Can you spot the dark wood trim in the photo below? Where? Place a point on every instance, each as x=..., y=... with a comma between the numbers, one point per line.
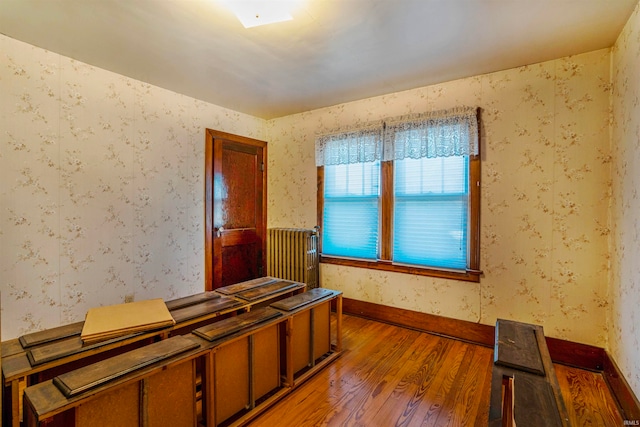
x=216, y=258
x=208, y=211
x=462, y=330
x=474, y=213
x=320, y=203
x=262, y=222
x=575, y=354
x=624, y=395
x=474, y=203
x=467, y=275
x=386, y=210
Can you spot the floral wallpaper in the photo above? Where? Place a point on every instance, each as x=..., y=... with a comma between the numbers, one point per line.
x=624, y=331
x=546, y=165
x=102, y=188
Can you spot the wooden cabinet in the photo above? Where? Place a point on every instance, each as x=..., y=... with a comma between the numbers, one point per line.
x=236, y=368
x=245, y=371
x=310, y=336
x=150, y=386
x=308, y=343
x=41, y=356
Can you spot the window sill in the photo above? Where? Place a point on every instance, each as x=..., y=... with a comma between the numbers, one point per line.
x=468, y=275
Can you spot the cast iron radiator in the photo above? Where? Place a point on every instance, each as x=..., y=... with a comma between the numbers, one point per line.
x=292, y=254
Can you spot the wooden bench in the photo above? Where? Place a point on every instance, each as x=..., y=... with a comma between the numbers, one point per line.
x=152, y=385
x=524, y=387
x=40, y=356
x=246, y=366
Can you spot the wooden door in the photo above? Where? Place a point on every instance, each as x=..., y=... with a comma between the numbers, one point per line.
x=235, y=208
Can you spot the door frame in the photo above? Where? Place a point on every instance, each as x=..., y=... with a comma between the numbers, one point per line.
x=210, y=137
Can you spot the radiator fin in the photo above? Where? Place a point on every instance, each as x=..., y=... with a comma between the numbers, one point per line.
x=292, y=254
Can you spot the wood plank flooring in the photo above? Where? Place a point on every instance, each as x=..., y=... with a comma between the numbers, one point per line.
x=392, y=376
x=587, y=397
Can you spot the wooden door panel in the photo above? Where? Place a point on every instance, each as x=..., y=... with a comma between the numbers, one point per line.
x=242, y=236
x=239, y=264
x=239, y=248
x=235, y=199
x=238, y=207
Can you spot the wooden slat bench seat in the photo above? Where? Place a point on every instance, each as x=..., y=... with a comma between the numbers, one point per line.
x=205, y=310
x=11, y=347
x=50, y=335
x=175, y=306
x=232, y=325
x=300, y=300
x=74, y=329
x=191, y=300
x=262, y=292
x=65, y=348
x=63, y=356
x=244, y=286
x=517, y=347
x=59, y=347
x=524, y=387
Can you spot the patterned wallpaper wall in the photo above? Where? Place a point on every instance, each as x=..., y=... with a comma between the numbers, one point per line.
x=101, y=188
x=545, y=196
x=624, y=333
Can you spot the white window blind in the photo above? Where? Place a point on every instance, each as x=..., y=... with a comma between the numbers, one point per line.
x=351, y=210
x=431, y=211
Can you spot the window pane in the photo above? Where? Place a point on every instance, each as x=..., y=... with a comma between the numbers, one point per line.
x=351, y=204
x=430, y=212
x=356, y=179
x=431, y=175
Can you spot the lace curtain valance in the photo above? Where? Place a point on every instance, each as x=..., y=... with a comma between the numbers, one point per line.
x=436, y=134
x=351, y=145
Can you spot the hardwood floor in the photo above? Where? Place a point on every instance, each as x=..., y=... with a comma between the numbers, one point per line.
x=392, y=376
x=587, y=397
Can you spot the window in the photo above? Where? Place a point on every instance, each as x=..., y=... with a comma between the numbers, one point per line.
x=430, y=212
x=351, y=210
x=403, y=195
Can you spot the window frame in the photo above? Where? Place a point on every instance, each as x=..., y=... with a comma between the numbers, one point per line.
x=471, y=273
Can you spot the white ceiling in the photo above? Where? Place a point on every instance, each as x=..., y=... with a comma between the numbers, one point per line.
x=333, y=51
